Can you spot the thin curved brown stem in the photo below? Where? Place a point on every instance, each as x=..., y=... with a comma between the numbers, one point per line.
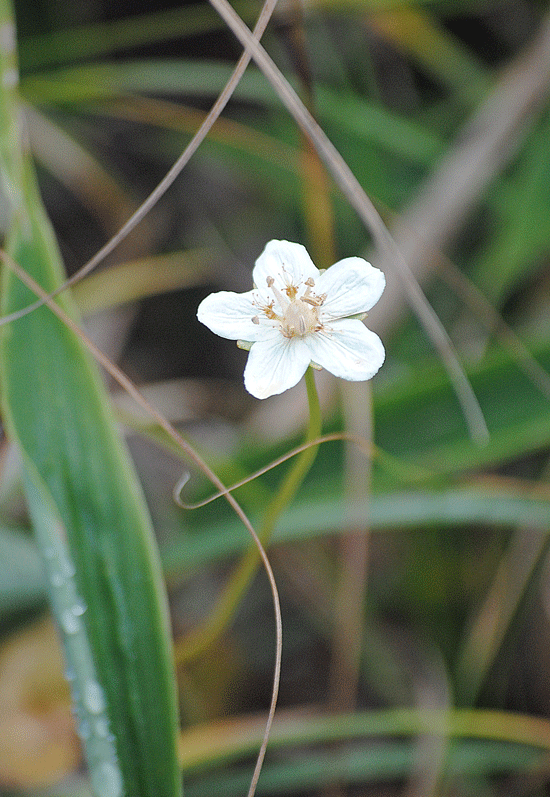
x=360, y=442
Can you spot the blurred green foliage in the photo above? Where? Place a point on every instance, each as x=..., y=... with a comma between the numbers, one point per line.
x=455, y=606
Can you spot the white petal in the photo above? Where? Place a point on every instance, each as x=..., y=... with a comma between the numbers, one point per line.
x=352, y=286
x=275, y=365
x=347, y=349
x=230, y=315
x=286, y=262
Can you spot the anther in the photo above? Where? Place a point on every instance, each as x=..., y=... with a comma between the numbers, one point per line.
x=314, y=301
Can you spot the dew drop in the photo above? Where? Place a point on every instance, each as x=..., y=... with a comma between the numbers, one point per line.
x=69, y=623
x=102, y=728
x=94, y=699
x=57, y=580
x=108, y=781
x=67, y=568
x=78, y=608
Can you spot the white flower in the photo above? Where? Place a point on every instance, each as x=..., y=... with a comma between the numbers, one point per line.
x=298, y=316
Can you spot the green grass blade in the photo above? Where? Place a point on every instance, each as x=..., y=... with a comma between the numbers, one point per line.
x=56, y=410
x=390, y=512
x=384, y=762
x=87, y=41
x=77, y=470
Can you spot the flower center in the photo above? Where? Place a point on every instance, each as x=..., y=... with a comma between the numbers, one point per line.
x=299, y=319
x=300, y=314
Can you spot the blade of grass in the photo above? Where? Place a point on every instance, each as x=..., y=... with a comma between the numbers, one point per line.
x=134, y=280
x=154, y=76
x=516, y=572
x=77, y=170
x=435, y=49
x=80, y=483
x=223, y=741
x=86, y=41
x=396, y=511
x=362, y=765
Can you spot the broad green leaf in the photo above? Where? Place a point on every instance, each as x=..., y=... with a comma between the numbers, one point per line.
x=90, y=707
x=77, y=470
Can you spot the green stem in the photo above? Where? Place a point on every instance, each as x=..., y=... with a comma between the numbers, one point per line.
x=196, y=642
x=301, y=466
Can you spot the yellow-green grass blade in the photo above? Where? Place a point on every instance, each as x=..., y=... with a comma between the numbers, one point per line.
x=83, y=494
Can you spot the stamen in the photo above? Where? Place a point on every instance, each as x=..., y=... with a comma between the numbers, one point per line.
x=314, y=301
x=291, y=291
x=299, y=314
x=278, y=295
x=270, y=312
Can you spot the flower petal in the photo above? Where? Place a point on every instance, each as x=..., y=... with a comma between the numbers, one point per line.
x=288, y=263
x=352, y=286
x=275, y=365
x=347, y=349
x=230, y=315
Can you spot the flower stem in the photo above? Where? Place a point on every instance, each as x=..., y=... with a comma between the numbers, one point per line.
x=302, y=463
x=221, y=616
